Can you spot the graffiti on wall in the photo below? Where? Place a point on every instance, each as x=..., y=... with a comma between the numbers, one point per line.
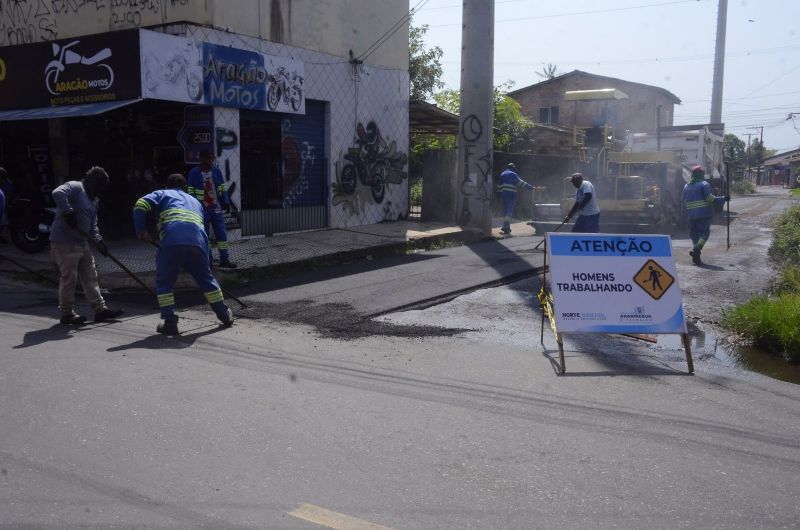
x=298, y=158
x=227, y=147
x=28, y=21
x=365, y=170
x=476, y=169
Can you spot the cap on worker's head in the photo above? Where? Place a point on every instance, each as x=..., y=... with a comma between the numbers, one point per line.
x=698, y=169
x=511, y=165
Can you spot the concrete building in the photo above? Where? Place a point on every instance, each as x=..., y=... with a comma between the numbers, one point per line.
x=633, y=107
x=305, y=104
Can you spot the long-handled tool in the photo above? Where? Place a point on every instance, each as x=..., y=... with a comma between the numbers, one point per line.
x=21, y=266
x=226, y=293
x=542, y=241
x=110, y=256
x=728, y=195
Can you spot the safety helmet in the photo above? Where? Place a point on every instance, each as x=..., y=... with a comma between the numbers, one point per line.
x=698, y=169
x=511, y=165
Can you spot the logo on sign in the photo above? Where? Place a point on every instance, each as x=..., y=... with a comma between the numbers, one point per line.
x=653, y=279
x=57, y=82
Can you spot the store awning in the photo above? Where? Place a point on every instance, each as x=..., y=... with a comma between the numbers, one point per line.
x=67, y=111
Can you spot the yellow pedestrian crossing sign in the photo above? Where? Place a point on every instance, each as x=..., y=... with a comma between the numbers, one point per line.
x=653, y=279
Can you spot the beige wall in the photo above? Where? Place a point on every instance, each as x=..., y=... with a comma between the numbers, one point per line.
x=637, y=113
x=329, y=26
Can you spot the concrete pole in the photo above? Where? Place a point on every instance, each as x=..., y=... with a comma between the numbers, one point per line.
x=719, y=63
x=475, y=186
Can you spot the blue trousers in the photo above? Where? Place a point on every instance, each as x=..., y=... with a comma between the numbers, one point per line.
x=699, y=230
x=509, y=203
x=216, y=220
x=169, y=263
x=589, y=224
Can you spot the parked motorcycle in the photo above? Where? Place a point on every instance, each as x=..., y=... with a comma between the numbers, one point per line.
x=29, y=227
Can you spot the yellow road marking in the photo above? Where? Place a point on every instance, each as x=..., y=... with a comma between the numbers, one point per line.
x=330, y=519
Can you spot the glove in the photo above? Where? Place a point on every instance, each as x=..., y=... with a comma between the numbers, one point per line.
x=102, y=248
x=71, y=219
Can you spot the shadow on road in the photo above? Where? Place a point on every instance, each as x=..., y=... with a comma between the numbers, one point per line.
x=164, y=342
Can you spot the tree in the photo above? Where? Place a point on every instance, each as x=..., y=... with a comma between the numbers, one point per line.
x=510, y=126
x=735, y=149
x=758, y=152
x=424, y=67
x=549, y=71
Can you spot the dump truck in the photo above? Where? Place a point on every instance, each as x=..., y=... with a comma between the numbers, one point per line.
x=636, y=192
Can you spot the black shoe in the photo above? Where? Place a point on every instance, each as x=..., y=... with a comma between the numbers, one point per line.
x=695, y=254
x=226, y=265
x=169, y=327
x=107, y=314
x=73, y=319
x=227, y=318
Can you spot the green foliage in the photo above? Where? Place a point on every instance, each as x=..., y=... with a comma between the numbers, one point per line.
x=548, y=71
x=785, y=247
x=415, y=193
x=510, y=126
x=743, y=186
x=735, y=149
x=771, y=323
x=424, y=67
x=788, y=281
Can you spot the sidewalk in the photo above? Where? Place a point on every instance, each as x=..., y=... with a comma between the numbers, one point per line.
x=264, y=253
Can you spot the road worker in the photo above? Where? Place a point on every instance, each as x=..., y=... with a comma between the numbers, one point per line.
x=699, y=203
x=507, y=184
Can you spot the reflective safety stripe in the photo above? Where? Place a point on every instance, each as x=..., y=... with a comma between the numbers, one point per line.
x=221, y=188
x=143, y=205
x=166, y=299
x=180, y=215
x=508, y=187
x=222, y=245
x=214, y=296
x=698, y=204
x=711, y=198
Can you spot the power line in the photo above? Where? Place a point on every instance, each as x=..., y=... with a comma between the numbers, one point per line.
x=391, y=31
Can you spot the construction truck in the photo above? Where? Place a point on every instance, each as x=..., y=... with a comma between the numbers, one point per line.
x=636, y=192
x=639, y=181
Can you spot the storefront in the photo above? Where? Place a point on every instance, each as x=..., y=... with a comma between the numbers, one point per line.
x=143, y=104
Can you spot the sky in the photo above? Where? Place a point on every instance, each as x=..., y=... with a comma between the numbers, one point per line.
x=669, y=44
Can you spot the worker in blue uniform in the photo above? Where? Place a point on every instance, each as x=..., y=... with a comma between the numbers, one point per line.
x=699, y=203
x=206, y=184
x=184, y=245
x=507, y=184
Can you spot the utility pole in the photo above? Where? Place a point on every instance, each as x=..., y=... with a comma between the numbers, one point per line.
x=475, y=181
x=719, y=63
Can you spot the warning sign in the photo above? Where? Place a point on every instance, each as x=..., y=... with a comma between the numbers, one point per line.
x=654, y=279
x=614, y=283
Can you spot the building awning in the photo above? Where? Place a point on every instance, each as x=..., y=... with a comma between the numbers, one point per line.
x=591, y=95
x=66, y=111
x=425, y=118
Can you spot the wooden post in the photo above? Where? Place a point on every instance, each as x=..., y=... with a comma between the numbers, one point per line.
x=563, y=367
x=687, y=346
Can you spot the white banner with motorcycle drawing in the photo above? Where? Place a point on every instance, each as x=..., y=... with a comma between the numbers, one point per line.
x=183, y=69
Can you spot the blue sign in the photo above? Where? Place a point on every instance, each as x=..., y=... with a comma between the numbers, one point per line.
x=234, y=78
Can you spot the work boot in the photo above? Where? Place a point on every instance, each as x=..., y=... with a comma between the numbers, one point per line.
x=169, y=326
x=73, y=319
x=227, y=318
x=226, y=265
x=107, y=314
x=695, y=254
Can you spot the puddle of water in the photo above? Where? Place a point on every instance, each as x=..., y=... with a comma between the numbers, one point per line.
x=705, y=345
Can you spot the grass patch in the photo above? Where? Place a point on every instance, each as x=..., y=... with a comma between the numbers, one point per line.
x=785, y=247
x=788, y=282
x=796, y=193
x=770, y=323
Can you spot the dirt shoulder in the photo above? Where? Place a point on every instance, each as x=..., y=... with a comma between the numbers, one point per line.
x=731, y=276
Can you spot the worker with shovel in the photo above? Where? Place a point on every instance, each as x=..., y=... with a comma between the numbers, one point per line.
x=74, y=224
x=184, y=245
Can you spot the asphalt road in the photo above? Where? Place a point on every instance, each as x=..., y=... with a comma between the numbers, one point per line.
x=279, y=422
